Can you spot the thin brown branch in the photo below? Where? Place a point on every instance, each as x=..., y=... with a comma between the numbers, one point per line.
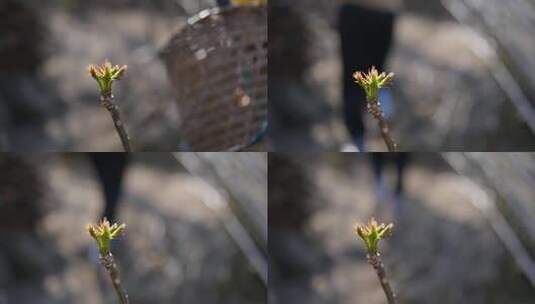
x=107, y=101
x=111, y=267
x=377, y=263
x=374, y=108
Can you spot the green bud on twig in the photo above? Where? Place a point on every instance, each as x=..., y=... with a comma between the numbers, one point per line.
x=372, y=233
x=372, y=82
x=106, y=74
x=103, y=233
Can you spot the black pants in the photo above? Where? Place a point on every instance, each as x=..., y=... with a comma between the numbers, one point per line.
x=366, y=37
x=223, y=2
x=400, y=160
x=110, y=168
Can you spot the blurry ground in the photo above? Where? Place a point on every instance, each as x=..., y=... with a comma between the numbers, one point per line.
x=58, y=104
x=442, y=251
x=175, y=249
x=444, y=95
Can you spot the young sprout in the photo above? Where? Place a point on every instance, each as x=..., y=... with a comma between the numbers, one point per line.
x=104, y=233
x=371, y=234
x=372, y=82
x=105, y=75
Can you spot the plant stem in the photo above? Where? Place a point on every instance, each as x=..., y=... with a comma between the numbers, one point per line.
x=377, y=263
x=109, y=263
x=374, y=108
x=106, y=100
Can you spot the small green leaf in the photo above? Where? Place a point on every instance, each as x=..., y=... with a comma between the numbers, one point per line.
x=372, y=82
x=372, y=233
x=105, y=75
x=103, y=233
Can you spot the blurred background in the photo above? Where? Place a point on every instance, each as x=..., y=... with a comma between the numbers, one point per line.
x=463, y=74
x=48, y=101
x=463, y=227
x=196, y=227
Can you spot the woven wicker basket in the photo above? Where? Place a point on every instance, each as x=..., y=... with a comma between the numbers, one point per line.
x=217, y=64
